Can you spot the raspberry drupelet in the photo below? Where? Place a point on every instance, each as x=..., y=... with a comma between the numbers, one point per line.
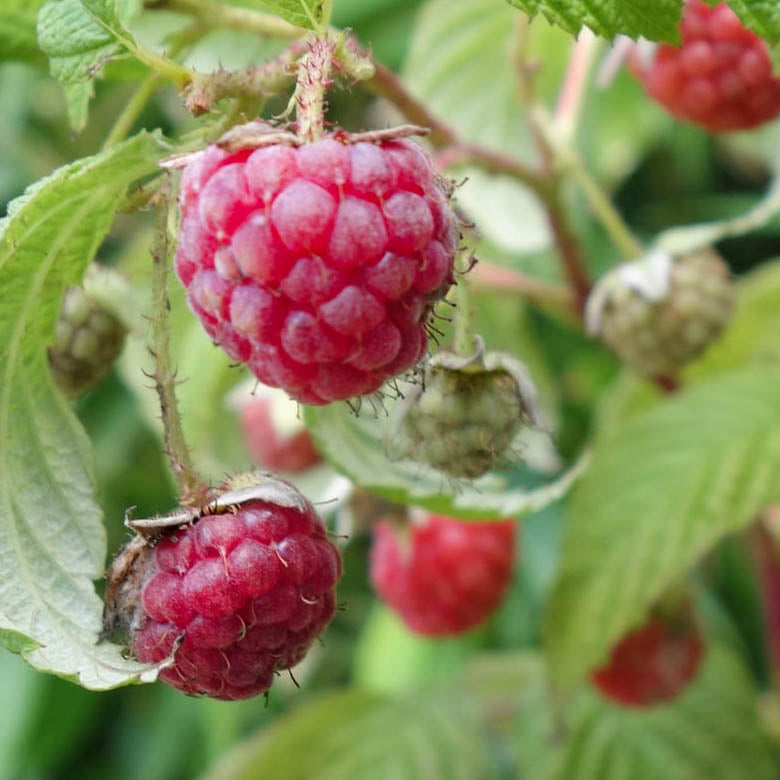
x=317, y=265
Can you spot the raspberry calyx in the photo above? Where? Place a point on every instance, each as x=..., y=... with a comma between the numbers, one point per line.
x=225, y=596
x=466, y=413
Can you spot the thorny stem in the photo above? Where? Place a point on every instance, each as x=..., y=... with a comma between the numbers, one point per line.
x=178, y=452
x=125, y=120
x=313, y=81
x=767, y=558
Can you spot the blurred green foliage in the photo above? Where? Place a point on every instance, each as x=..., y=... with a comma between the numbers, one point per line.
x=662, y=174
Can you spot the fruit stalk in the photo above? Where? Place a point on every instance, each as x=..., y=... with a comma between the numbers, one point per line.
x=313, y=81
x=176, y=448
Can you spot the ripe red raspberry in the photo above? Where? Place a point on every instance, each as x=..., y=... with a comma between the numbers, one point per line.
x=274, y=433
x=650, y=665
x=443, y=576
x=231, y=599
x=721, y=75
x=317, y=265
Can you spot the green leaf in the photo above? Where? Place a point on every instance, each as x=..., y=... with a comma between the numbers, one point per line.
x=303, y=13
x=353, y=445
x=354, y=735
x=389, y=658
x=52, y=542
x=18, y=40
x=658, y=21
x=710, y=730
x=77, y=44
x=660, y=492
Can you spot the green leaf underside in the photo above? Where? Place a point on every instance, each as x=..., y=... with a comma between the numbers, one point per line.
x=356, y=735
x=710, y=730
x=303, y=13
x=656, y=20
x=661, y=491
x=354, y=447
x=52, y=541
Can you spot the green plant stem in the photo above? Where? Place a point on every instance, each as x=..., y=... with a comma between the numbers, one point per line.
x=622, y=237
x=463, y=337
x=496, y=278
x=190, y=486
x=124, y=122
x=211, y=14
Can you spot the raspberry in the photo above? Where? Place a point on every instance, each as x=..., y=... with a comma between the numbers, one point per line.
x=650, y=665
x=274, y=433
x=463, y=418
x=317, y=265
x=88, y=340
x=721, y=75
x=231, y=598
x=443, y=576
x=660, y=312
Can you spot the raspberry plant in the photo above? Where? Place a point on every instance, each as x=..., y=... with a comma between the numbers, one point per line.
x=505, y=262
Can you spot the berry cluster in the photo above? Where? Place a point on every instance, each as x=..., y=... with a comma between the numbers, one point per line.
x=231, y=599
x=317, y=265
x=719, y=77
x=443, y=576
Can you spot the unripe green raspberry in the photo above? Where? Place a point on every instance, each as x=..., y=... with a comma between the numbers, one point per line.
x=88, y=340
x=660, y=312
x=464, y=417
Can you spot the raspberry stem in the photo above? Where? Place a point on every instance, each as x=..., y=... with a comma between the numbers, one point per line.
x=463, y=338
x=313, y=81
x=187, y=481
